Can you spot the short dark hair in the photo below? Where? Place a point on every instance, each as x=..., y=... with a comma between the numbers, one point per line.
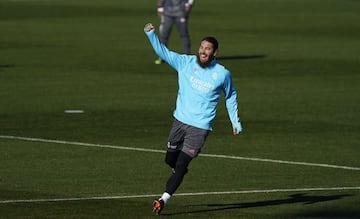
x=212, y=40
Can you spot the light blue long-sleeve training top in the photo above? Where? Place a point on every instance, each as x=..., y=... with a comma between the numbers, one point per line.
x=199, y=88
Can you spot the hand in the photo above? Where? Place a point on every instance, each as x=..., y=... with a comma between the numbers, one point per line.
x=160, y=11
x=149, y=27
x=187, y=8
x=235, y=131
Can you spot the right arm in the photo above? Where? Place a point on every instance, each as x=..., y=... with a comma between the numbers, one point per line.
x=160, y=49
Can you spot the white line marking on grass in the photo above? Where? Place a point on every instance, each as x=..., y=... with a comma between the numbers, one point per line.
x=80, y=144
x=73, y=111
x=179, y=194
x=75, y=199
x=162, y=151
x=282, y=161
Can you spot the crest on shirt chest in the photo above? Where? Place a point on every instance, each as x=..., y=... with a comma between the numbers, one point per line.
x=214, y=76
x=196, y=70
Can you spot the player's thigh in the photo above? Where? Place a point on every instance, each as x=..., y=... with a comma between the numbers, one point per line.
x=182, y=25
x=166, y=25
x=176, y=136
x=194, y=140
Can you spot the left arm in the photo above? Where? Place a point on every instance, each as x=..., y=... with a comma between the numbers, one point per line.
x=188, y=6
x=160, y=7
x=231, y=104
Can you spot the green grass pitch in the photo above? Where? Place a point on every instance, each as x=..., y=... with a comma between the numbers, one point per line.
x=295, y=64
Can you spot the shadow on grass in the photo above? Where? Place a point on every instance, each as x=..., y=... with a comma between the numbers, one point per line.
x=260, y=56
x=296, y=198
x=6, y=66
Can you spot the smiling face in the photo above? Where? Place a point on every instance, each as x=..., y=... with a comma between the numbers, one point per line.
x=206, y=53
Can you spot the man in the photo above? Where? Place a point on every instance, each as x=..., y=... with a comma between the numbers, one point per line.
x=201, y=81
x=174, y=12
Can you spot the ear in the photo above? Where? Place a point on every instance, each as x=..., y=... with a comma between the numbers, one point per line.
x=215, y=53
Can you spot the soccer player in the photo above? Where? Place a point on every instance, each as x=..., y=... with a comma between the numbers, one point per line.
x=174, y=12
x=201, y=81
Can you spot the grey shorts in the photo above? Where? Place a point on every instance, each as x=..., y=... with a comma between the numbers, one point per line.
x=186, y=138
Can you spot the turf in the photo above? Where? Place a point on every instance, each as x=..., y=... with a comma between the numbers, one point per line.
x=295, y=64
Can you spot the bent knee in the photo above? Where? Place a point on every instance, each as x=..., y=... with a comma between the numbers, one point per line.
x=182, y=163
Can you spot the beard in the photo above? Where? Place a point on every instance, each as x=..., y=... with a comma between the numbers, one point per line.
x=205, y=64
